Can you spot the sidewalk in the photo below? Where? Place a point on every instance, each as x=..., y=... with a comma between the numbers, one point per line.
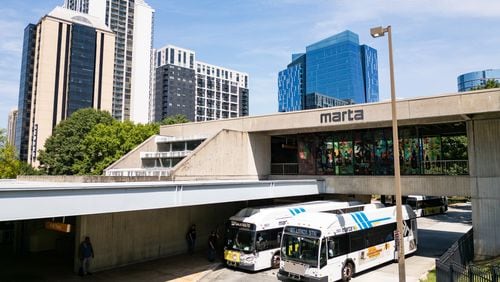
x=180, y=268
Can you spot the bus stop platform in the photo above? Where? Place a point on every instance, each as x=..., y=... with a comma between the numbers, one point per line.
x=180, y=268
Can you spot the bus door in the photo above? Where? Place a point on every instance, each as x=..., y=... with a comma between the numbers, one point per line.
x=336, y=248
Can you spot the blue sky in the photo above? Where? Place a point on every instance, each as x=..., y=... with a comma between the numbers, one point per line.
x=434, y=41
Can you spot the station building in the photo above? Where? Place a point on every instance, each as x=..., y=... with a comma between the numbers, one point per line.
x=204, y=172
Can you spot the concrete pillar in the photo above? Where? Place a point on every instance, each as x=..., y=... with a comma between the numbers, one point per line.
x=484, y=169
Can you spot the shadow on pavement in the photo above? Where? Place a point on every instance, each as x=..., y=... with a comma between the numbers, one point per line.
x=433, y=243
x=48, y=267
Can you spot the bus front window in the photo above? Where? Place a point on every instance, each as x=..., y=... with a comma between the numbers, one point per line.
x=300, y=249
x=240, y=239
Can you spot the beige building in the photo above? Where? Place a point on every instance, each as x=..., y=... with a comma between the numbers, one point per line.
x=72, y=68
x=11, y=126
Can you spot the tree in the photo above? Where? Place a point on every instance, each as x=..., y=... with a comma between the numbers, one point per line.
x=106, y=143
x=10, y=165
x=65, y=146
x=490, y=83
x=174, y=120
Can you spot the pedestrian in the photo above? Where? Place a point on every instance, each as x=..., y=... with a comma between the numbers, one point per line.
x=212, y=245
x=191, y=239
x=86, y=254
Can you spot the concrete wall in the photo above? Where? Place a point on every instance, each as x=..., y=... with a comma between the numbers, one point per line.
x=130, y=237
x=435, y=109
x=431, y=185
x=228, y=155
x=133, y=158
x=484, y=159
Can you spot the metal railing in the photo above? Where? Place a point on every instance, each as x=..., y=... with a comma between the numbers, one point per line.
x=284, y=168
x=454, y=265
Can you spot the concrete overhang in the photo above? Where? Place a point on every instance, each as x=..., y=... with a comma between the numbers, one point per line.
x=28, y=200
x=425, y=110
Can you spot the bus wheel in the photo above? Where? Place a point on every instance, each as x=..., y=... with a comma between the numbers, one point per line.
x=275, y=261
x=347, y=271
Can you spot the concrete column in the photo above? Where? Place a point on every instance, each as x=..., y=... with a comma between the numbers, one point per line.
x=484, y=168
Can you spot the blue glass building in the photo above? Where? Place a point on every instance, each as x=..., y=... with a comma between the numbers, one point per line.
x=336, y=67
x=470, y=81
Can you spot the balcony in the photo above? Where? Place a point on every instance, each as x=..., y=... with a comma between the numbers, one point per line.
x=164, y=155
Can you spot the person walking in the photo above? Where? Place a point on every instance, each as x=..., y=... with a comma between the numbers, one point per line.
x=191, y=239
x=212, y=245
x=86, y=254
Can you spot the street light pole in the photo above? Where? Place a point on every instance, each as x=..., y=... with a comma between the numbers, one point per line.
x=378, y=32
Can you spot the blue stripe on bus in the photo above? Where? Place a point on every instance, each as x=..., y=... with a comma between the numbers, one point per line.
x=356, y=221
x=380, y=219
x=360, y=218
x=302, y=209
x=291, y=211
x=363, y=215
x=296, y=210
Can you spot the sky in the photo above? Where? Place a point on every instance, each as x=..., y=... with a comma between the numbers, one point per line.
x=434, y=41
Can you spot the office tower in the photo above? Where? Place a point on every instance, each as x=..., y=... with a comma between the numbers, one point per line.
x=67, y=65
x=132, y=22
x=477, y=79
x=198, y=90
x=11, y=126
x=334, y=71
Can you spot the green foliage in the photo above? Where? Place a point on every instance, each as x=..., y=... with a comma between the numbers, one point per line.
x=431, y=276
x=490, y=83
x=65, y=146
x=454, y=147
x=10, y=165
x=106, y=143
x=174, y=120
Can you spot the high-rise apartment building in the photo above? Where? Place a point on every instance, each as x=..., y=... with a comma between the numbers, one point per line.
x=67, y=65
x=472, y=80
x=11, y=126
x=198, y=90
x=331, y=71
x=132, y=22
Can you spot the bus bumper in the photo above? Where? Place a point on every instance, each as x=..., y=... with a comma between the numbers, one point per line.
x=286, y=276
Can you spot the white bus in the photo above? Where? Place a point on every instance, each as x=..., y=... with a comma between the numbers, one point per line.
x=328, y=247
x=427, y=205
x=253, y=235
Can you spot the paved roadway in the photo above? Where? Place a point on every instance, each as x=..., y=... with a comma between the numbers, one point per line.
x=436, y=234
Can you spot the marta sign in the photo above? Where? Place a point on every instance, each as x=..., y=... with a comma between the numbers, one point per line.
x=348, y=115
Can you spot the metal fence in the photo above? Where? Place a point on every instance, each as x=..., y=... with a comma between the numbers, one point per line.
x=454, y=265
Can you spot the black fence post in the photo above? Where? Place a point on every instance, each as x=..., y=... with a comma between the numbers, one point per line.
x=470, y=273
x=451, y=272
x=494, y=274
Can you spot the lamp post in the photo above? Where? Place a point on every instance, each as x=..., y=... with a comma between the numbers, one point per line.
x=378, y=32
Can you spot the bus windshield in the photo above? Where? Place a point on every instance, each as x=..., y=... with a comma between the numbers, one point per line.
x=300, y=249
x=240, y=239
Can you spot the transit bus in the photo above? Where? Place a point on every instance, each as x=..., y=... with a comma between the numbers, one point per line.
x=427, y=205
x=253, y=235
x=328, y=247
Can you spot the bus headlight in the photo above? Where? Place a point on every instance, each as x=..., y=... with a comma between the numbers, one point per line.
x=249, y=259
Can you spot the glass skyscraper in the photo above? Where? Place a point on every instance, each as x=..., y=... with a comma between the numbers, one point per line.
x=470, y=81
x=336, y=67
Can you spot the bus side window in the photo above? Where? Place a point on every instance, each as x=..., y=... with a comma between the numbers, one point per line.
x=338, y=246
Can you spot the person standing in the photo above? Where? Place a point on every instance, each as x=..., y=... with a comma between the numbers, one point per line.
x=212, y=245
x=191, y=239
x=86, y=254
